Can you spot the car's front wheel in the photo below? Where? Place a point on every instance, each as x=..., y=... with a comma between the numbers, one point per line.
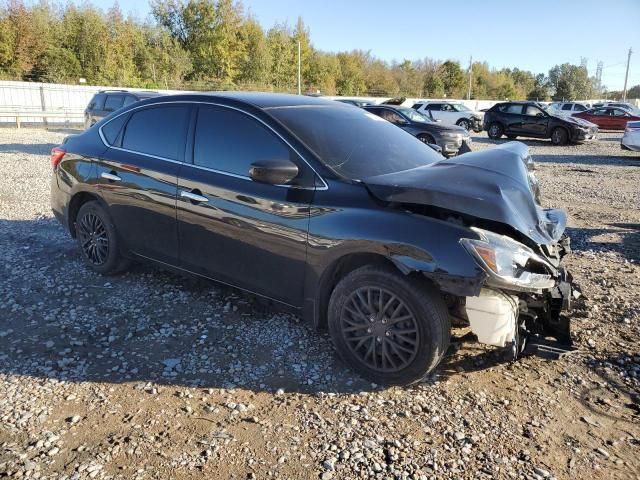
x=495, y=131
x=426, y=138
x=390, y=328
x=464, y=123
x=97, y=239
x=559, y=136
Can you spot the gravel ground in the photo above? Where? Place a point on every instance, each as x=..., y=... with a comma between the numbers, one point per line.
x=154, y=376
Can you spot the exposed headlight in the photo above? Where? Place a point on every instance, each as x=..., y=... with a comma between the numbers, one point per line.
x=508, y=263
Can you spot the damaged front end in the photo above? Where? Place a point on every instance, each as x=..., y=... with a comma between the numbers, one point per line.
x=524, y=295
x=516, y=243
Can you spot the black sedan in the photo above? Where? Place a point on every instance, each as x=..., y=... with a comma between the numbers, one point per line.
x=453, y=140
x=325, y=208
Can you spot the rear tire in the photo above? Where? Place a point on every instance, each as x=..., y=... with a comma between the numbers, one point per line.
x=389, y=328
x=559, y=136
x=98, y=241
x=495, y=131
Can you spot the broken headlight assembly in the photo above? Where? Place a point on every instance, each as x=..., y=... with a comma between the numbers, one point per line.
x=509, y=264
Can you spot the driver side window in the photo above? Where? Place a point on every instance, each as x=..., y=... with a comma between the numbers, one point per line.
x=533, y=111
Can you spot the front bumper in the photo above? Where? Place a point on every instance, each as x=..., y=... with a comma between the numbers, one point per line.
x=580, y=135
x=501, y=317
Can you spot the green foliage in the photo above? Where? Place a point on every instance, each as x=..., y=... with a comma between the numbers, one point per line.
x=216, y=44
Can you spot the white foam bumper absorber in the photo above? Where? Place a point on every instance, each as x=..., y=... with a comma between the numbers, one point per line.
x=492, y=316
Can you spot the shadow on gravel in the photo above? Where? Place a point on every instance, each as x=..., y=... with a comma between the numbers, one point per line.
x=623, y=238
x=61, y=321
x=614, y=398
x=31, y=149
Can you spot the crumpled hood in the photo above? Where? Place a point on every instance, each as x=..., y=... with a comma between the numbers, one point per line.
x=491, y=185
x=575, y=120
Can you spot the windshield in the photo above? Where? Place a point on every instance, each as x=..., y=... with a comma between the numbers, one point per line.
x=459, y=107
x=354, y=143
x=414, y=116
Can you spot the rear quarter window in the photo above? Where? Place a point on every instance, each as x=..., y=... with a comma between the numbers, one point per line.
x=113, y=102
x=97, y=102
x=159, y=131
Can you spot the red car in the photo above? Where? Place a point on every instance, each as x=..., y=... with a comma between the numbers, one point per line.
x=608, y=118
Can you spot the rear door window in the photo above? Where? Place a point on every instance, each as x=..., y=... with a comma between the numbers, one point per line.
x=230, y=141
x=159, y=131
x=512, y=108
x=567, y=106
x=434, y=107
x=113, y=102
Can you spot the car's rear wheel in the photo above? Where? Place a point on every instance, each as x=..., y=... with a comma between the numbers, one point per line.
x=97, y=239
x=495, y=131
x=464, y=123
x=559, y=136
x=389, y=328
x=426, y=138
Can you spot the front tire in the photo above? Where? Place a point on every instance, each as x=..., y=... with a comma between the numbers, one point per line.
x=426, y=138
x=389, y=328
x=464, y=123
x=495, y=131
x=98, y=241
x=559, y=136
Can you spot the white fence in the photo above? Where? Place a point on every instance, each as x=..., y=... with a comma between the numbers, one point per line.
x=64, y=104
x=49, y=102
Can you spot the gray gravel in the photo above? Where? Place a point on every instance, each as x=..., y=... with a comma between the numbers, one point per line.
x=152, y=375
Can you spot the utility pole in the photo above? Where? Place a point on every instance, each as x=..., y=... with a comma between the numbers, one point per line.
x=626, y=76
x=299, y=62
x=470, y=71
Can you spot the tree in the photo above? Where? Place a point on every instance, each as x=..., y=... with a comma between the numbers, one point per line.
x=452, y=78
x=255, y=66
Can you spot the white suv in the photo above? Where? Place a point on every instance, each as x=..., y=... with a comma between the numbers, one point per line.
x=568, y=108
x=451, y=113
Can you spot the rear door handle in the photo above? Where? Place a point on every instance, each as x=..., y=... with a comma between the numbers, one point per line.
x=112, y=177
x=194, y=197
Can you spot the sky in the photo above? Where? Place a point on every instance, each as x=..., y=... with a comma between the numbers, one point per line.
x=532, y=35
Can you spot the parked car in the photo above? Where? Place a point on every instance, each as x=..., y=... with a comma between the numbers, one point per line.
x=609, y=118
x=528, y=119
x=327, y=209
x=452, y=140
x=452, y=113
x=106, y=101
x=356, y=103
x=567, y=108
x=631, y=138
x=625, y=105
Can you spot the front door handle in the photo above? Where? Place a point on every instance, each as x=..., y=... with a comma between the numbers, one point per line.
x=112, y=177
x=193, y=197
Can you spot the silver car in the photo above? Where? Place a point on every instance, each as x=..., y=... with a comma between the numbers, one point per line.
x=631, y=137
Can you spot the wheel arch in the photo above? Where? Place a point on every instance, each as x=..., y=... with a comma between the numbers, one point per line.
x=349, y=262
x=561, y=127
x=76, y=202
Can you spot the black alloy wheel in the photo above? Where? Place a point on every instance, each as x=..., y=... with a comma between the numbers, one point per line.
x=495, y=131
x=380, y=329
x=93, y=238
x=97, y=239
x=391, y=328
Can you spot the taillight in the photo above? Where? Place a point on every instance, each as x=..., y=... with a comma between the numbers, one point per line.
x=56, y=155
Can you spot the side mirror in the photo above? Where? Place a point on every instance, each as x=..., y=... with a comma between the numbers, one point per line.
x=273, y=172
